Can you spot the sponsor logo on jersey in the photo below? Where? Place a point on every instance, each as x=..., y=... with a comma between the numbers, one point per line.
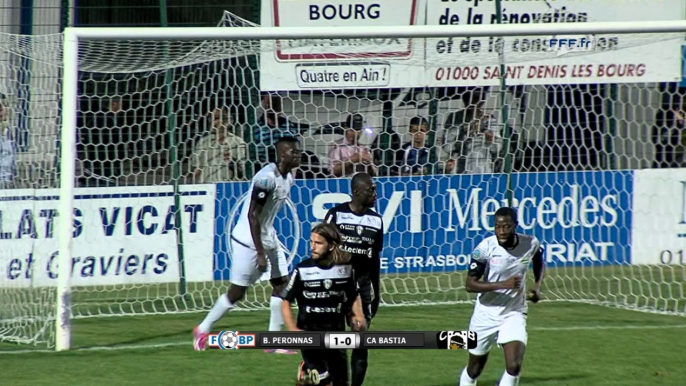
x=322, y=294
x=322, y=310
x=358, y=251
x=310, y=273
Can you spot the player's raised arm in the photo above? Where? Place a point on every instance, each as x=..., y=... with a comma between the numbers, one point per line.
x=289, y=295
x=260, y=193
x=477, y=268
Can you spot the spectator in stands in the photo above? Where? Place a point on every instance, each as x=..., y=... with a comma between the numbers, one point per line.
x=387, y=148
x=271, y=126
x=103, y=147
x=456, y=127
x=669, y=138
x=415, y=154
x=481, y=146
x=220, y=155
x=473, y=101
x=8, y=157
x=347, y=156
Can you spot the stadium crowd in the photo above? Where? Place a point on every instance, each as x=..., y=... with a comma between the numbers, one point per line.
x=223, y=145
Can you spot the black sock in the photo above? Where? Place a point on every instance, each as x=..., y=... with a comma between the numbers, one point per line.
x=358, y=364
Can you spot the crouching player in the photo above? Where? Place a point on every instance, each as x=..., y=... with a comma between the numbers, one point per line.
x=500, y=311
x=324, y=287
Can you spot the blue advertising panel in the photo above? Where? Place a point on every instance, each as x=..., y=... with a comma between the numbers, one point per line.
x=433, y=223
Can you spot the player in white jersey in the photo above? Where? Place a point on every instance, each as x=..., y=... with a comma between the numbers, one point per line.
x=254, y=241
x=500, y=311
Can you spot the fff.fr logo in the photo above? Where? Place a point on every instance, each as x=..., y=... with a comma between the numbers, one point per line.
x=572, y=43
x=231, y=340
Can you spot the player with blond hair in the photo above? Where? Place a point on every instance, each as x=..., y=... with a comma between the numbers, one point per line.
x=324, y=288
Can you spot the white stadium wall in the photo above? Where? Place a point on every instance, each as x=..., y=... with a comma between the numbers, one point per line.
x=659, y=217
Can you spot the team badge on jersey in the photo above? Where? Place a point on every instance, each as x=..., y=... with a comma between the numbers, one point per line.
x=327, y=283
x=359, y=230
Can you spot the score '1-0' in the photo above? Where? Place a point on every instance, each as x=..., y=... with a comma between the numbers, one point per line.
x=342, y=340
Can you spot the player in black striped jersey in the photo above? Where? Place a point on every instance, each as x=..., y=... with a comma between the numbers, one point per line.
x=324, y=288
x=362, y=231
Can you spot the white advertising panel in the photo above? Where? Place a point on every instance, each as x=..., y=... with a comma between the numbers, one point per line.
x=121, y=236
x=378, y=63
x=659, y=217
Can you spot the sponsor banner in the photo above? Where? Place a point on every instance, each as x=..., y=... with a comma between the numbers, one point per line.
x=561, y=59
x=659, y=232
x=567, y=59
x=341, y=64
x=121, y=236
x=433, y=223
x=349, y=13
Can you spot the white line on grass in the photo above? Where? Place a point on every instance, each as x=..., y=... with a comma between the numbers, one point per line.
x=107, y=348
x=190, y=344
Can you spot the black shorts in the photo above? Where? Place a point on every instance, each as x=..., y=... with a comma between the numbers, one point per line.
x=369, y=293
x=333, y=362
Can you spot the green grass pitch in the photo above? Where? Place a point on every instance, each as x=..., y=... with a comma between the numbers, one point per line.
x=570, y=344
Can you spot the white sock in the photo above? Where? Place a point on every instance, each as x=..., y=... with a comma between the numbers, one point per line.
x=509, y=380
x=466, y=380
x=276, y=317
x=222, y=306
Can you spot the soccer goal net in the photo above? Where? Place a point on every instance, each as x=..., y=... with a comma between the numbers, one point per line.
x=148, y=139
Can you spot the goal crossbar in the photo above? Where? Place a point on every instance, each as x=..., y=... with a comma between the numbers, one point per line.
x=415, y=31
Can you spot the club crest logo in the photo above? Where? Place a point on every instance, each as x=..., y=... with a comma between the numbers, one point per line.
x=327, y=283
x=360, y=229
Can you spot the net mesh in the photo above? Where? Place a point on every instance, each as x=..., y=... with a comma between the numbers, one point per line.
x=155, y=113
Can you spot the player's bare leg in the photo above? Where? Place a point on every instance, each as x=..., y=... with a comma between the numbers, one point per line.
x=276, y=317
x=224, y=304
x=514, y=357
x=475, y=366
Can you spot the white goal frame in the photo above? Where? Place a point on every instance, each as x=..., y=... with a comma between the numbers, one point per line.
x=73, y=36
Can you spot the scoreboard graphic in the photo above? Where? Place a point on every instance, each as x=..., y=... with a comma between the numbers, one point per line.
x=445, y=340
x=231, y=340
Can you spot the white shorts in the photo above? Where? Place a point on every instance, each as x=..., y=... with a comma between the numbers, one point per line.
x=511, y=328
x=244, y=271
